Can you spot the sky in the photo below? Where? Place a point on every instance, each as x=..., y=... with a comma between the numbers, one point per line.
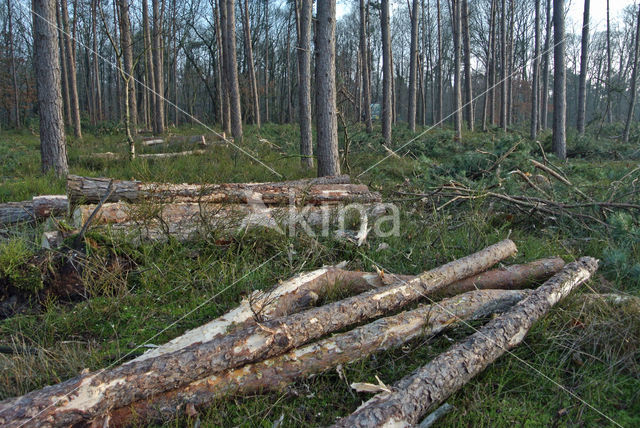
x=576, y=7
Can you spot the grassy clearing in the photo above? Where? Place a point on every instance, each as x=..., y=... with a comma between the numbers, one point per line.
x=590, y=349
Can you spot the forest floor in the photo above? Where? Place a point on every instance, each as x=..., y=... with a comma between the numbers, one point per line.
x=593, y=351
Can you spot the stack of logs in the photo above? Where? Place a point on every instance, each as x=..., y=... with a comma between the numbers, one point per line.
x=183, y=210
x=277, y=337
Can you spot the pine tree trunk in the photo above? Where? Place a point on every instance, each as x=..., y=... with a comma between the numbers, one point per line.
x=365, y=74
x=98, y=113
x=503, y=66
x=126, y=47
x=231, y=66
x=609, y=81
x=71, y=71
x=546, y=58
x=584, y=62
x=418, y=393
x=487, y=111
x=266, y=61
x=326, y=110
x=158, y=74
x=468, y=76
x=439, y=106
x=535, y=87
x=304, y=87
x=559, y=83
x=387, y=73
x=46, y=61
x=63, y=65
x=149, y=69
x=413, y=67
x=252, y=70
x=15, y=112
x=457, y=84
x=634, y=82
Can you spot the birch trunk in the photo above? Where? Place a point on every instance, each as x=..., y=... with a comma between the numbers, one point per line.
x=415, y=395
x=93, y=394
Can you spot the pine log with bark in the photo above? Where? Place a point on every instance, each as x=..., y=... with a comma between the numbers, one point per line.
x=361, y=342
x=415, y=395
x=93, y=394
x=91, y=190
x=38, y=208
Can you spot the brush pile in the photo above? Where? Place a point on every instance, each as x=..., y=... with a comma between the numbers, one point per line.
x=277, y=337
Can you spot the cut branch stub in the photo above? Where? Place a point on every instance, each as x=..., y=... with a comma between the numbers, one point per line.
x=93, y=394
x=415, y=395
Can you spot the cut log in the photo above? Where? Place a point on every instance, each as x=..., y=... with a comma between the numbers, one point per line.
x=39, y=208
x=276, y=373
x=190, y=139
x=90, y=190
x=172, y=154
x=93, y=394
x=415, y=395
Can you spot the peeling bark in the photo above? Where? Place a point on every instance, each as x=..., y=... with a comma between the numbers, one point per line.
x=361, y=342
x=415, y=395
x=39, y=208
x=91, y=190
x=93, y=394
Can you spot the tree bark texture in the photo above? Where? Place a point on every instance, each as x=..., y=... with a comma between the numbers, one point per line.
x=227, y=9
x=387, y=73
x=535, y=86
x=93, y=394
x=468, y=75
x=40, y=207
x=365, y=73
x=46, y=61
x=304, y=88
x=546, y=59
x=457, y=84
x=126, y=46
x=415, y=395
x=250, y=63
x=278, y=372
x=92, y=190
x=584, y=61
x=71, y=70
x=559, y=83
x=503, y=66
x=326, y=109
x=158, y=75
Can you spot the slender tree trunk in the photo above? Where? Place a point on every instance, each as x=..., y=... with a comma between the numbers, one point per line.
x=326, y=110
x=584, y=61
x=503, y=66
x=457, y=86
x=387, y=73
x=546, y=58
x=231, y=67
x=535, y=87
x=46, y=61
x=559, y=82
x=175, y=64
x=439, y=113
x=126, y=45
x=266, y=60
x=224, y=78
x=365, y=74
x=413, y=67
x=510, y=60
x=96, y=65
x=63, y=65
x=158, y=74
x=252, y=70
x=304, y=87
x=468, y=82
x=12, y=65
x=634, y=82
x=71, y=71
x=149, y=69
x=489, y=90
x=609, y=110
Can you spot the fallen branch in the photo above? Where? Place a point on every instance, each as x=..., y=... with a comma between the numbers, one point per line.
x=416, y=394
x=276, y=373
x=93, y=394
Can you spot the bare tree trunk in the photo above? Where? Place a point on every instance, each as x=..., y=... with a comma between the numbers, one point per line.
x=98, y=113
x=468, y=76
x=304, y=86
x=535, y=87
x=326, y=109
x=46, y=61
x=413, y=67
x=149, y=69
x=503, y=66
x=252, y=70
x=387, y=73
x=584, y=61
x=231, y=66
x=489, y=89
x=224, y=84
x=71, y=71
x=439, y=113
x=559, y=82
x=456, y=22
x=158, y=74
x=266, y=60
x=126, y=46
x=415, y=395
x=545, y=72
x=609, y=82
x=63, y=64
x=510, y=60
x=267, y=340
x=14, y=76
x=634, y=82
x=365, y=74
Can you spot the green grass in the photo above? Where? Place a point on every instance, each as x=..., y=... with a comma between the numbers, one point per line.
x=176, y=286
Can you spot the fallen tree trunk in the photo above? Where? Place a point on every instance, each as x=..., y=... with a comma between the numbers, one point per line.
x=413, y=396
x=91, y=190
x=276, y=373
x=38, y=208
x=89, y=395
x=186, y=221
x=172, y=154
x=192, y=139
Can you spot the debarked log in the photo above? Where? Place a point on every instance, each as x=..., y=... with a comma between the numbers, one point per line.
x=91, y=190
x=38, y=208
x=276, y=373
x=172, y=154
x=93, y=394
x=415, y=395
